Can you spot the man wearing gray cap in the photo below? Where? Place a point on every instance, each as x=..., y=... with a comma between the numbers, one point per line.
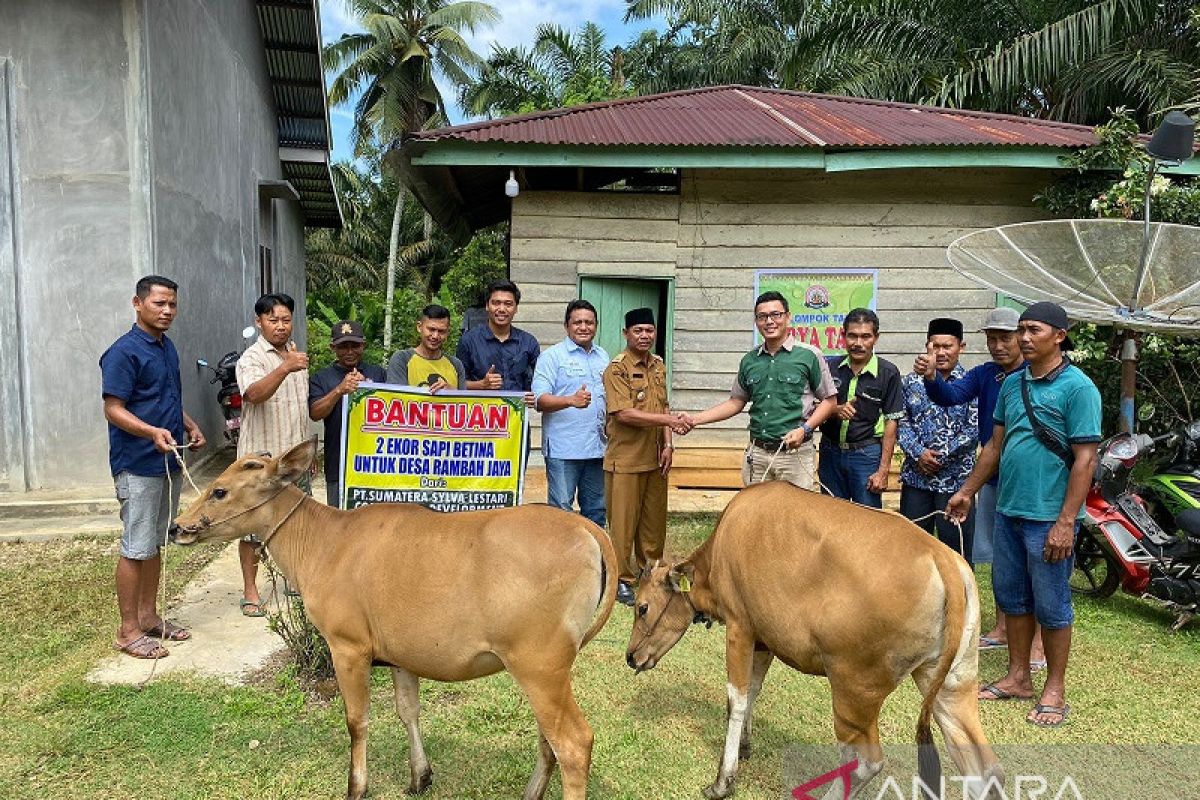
x=1047, y=428
x=983, y=383
x=328, y=387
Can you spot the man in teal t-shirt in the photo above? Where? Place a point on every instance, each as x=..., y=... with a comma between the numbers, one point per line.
x=1044, y=480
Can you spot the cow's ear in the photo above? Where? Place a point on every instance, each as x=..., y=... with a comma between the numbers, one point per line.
x=681, y=576
x=295, y=463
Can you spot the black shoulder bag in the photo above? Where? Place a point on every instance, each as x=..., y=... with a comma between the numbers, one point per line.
x=1044, y=434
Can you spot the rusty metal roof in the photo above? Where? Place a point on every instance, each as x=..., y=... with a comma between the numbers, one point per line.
x=291, y=32
x=748, y=116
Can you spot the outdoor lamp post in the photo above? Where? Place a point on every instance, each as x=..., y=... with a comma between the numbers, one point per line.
x=1171, y=144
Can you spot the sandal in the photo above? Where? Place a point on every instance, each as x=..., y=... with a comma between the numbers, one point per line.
x=994, y=692
x=1042, y=708
x=988, y=643
x=143, y=647
x=169, y=631
x=258, y=609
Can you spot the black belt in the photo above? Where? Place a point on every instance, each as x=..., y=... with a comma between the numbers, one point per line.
x=833, y=445
x=772, y=444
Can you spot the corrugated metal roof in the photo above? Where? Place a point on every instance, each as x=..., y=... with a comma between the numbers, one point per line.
x=291, y=32
x=748, y=116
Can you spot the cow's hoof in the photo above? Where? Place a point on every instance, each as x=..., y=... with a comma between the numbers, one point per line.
x=718, y=790
x=420, y=784
x=744, y=751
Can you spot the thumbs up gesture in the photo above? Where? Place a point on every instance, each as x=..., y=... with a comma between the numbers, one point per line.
x=846, y=410
x=582, y=397
x=926, y=363
x=492, y=379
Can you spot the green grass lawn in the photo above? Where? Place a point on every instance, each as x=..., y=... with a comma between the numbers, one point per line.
x=657, y=734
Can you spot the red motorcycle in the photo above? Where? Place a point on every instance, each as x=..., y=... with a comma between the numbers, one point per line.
x=1120, y=545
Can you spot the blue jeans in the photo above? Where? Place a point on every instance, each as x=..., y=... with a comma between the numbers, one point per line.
x=844, y=473
x=568, y=478
x=985, y=523
x=1022, y=580
x=916, y=503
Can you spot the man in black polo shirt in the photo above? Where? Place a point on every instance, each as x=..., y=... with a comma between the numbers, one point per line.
x=858, y=440
x=327, y=387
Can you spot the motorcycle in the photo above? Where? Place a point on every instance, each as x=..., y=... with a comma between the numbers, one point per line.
x=1175, y=488
x=229, y=397
x=1121, y=545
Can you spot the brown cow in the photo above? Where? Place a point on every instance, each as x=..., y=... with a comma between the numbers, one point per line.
x=444, y=596
x=830, y=588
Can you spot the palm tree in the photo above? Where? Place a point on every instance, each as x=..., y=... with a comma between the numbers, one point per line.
x=392, y=66
x=1068, y=60
x=560, y=69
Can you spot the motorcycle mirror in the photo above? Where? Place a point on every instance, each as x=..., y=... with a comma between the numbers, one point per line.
x=200, y=362
x=1146, y=412
x=248, y=332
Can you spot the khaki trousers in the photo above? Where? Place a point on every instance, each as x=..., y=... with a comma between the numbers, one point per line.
x=794, y=466
x=637, y=519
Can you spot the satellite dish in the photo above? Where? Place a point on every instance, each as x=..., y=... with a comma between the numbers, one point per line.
x=1090, y=268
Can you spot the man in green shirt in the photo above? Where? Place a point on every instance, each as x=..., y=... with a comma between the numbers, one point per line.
x=790, y=391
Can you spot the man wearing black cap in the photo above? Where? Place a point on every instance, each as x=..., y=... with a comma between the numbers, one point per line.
x=938, y=443
x=328, y=386
x=1047, y=427
x=639, y=451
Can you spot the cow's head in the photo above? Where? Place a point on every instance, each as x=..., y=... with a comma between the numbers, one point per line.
x=662, y=613
x=238, y=503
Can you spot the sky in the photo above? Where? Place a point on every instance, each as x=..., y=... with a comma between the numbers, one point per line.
x=518, y=21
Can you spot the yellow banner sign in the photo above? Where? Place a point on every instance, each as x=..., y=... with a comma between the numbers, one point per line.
x=453, y=451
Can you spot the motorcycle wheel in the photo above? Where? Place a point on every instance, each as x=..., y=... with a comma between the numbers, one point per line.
x=1097, y=573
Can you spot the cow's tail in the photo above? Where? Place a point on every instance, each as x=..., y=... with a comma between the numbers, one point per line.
x=608, y=575
x=929, y=764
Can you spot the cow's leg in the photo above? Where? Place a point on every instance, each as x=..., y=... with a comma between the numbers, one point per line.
x=408, y=706
x=739, y=666
x=762, y=662
x=353, y=672
x=545, y=677
x=542, y=771
x=956, y=710
x=858, y=696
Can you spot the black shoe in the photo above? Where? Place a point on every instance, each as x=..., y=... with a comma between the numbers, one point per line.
x=624, y=594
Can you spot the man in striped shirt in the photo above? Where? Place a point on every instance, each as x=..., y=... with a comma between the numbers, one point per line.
x=272, y=376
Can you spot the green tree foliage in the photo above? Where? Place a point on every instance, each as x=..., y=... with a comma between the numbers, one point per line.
x=1067, y=60
x=561, y=69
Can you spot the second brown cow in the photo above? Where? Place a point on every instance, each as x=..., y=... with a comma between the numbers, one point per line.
x=829, y=588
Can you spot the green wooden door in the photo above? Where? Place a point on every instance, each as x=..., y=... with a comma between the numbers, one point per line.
x=612, y=297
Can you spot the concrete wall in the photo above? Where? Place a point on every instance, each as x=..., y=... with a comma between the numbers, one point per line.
x=134, y=134
x=725, y=224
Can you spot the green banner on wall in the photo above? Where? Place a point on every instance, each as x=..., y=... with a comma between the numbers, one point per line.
x=818, y=300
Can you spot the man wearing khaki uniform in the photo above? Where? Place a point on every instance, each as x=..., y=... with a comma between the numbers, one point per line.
x=638, y=455
x=791, y=393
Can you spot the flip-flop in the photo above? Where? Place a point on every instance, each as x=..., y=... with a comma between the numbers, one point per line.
x=143, y=647
x=1040, y=708
x=170, y=631
x=1001, y=694
x=988, y=643
x=258, y=608
x=1037, y=665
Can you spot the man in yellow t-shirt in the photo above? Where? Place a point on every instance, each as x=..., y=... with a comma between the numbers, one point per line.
x=426, y=365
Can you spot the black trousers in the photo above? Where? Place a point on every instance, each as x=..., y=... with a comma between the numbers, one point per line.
x=916, y=503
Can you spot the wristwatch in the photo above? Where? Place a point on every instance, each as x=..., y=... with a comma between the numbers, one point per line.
x=807, y=430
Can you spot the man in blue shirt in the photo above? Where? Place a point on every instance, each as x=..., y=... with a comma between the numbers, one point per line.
x=982, y=384
x=499, y=356
x=939, y=443
x=1047, y=427
x=568, y=388
x=146, y=422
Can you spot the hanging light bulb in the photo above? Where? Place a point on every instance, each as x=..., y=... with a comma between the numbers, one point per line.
x=511, y=187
